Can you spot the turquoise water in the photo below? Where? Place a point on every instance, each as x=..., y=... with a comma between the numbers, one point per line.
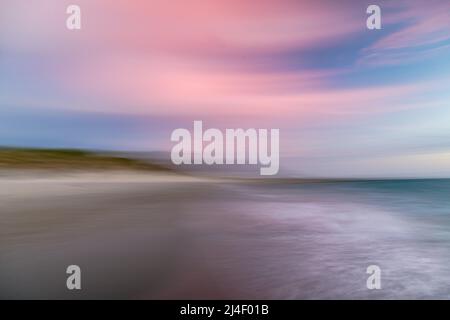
x=331, y=231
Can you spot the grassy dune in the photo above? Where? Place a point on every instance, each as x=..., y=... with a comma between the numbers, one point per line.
x=67, y=159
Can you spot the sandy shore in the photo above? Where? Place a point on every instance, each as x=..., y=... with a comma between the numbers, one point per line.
x=122, y=228
x=154, y=236
x=17, y=185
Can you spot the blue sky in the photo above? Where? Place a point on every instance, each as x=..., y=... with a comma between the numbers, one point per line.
x=348, y=101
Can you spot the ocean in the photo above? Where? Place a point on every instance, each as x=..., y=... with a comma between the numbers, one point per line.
x=209, y=238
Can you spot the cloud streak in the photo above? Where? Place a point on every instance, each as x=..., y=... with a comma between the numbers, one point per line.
x=294, y=65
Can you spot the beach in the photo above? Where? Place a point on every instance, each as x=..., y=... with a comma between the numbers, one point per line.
x=169, y=236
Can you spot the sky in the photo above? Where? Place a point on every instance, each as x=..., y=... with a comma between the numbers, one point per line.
x=349, y=102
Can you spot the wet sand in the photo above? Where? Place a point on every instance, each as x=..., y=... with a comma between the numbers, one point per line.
x=159, y=236
x=123, y=230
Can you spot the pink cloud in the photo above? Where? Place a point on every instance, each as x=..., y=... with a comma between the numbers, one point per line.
x=165, y=86
x=161, y=57
x=196, y=26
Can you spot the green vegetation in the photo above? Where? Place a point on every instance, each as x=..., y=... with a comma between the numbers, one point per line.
x=67, y=159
